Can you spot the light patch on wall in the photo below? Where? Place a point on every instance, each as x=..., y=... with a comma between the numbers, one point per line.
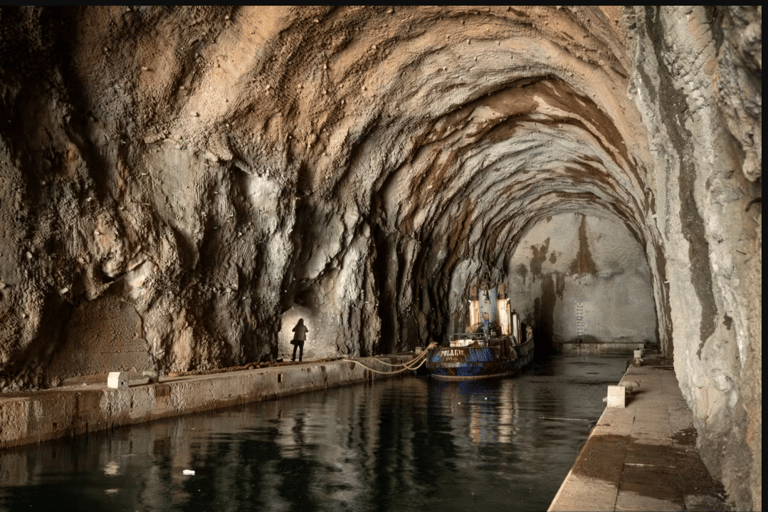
x=597, y=289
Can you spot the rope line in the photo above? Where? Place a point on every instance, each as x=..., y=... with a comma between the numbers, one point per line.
x=401, y=364
x=409, y=365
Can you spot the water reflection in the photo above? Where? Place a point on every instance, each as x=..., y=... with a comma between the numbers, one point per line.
x=485, y=409
x=406, y=444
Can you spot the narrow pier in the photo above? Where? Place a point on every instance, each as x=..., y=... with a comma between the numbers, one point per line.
x=642, y=456
x=60, y=412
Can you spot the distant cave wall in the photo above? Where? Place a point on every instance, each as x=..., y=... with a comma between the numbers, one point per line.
x=583, y=279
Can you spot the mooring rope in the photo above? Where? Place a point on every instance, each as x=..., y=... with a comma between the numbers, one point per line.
x=390, y=372
x=408, y=365
x=412, y=361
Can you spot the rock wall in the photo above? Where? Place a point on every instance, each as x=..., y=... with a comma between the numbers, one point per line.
x=179, y=184
x=690, y=64
x=579, y=279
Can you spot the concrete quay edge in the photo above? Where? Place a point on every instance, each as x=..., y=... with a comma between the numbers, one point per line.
x=642, y=456
x=61, y=412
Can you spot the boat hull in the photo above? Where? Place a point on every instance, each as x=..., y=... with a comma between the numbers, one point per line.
x=470, y=363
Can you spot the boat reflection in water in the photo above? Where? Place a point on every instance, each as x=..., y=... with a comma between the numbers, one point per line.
x=408, y=443
x=483, y=408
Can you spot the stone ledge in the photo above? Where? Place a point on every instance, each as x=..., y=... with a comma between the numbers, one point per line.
x=641, y=457
x=40, y=416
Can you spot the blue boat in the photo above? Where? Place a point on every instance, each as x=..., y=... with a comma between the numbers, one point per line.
x=495, y=344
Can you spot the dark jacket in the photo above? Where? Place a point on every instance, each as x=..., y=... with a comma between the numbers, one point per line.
x=301, y=332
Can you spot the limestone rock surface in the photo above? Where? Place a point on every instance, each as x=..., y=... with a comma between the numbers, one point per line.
x=178, y=185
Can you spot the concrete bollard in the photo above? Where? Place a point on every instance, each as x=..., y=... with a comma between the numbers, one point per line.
x=616, y=396
x=117, y=380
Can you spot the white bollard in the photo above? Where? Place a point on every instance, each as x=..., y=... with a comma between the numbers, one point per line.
x=117, y=380
x=616, y=396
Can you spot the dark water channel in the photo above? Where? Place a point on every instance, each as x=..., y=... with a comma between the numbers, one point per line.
x=408, y=443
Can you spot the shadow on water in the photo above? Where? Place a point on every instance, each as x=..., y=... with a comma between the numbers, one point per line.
x=403, y=444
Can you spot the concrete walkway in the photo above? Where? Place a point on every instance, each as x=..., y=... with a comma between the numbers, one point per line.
x=643, y=456
x=32, y=417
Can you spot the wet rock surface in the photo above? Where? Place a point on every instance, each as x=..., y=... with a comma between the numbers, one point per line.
x=179, y=185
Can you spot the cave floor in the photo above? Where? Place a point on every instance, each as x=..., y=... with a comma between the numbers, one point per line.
x=643, y=456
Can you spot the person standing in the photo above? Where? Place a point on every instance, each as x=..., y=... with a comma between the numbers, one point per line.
x=299, y=336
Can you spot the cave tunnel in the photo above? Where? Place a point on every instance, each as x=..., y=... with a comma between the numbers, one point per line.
x=179, y=185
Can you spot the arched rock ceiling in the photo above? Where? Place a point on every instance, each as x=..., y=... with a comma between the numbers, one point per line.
x=494, y=117
x=450, y=124
x=215, y=168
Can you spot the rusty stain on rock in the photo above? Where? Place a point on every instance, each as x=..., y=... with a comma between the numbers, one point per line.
x=583, y=263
